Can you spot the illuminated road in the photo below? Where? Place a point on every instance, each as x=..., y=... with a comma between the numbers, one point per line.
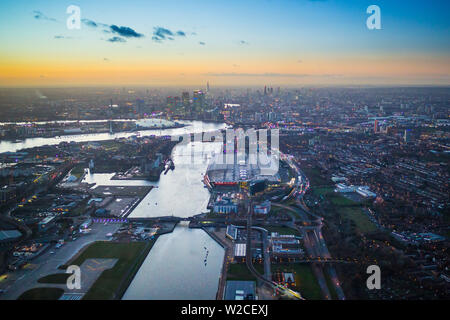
x=249, y=261
x=312, y=234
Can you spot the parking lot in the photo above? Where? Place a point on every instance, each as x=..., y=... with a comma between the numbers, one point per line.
x=48, y=263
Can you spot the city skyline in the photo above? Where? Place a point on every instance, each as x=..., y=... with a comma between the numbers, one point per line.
x=189, y=43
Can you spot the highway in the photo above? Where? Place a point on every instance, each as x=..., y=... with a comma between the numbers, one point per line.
x=312, y=233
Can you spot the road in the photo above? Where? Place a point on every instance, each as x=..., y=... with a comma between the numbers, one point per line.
x=47, y=263
x=249, y=261
x=312, y=234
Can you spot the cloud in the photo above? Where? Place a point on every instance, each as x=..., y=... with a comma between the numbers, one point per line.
x=116, y=39
x=62, y=37
x=95, y=24
x=202, y=43
x=299, y=61
x=243, y=42
x=105, y=59
x=38, y=15
x=160, y=34
x=89, y=23
x=125, y=32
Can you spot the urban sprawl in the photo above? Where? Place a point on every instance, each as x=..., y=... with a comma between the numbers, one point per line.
x=362, y=179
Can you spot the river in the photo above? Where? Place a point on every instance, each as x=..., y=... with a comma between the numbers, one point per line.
x=191, y=127
x=184, y=264
x=176, y=267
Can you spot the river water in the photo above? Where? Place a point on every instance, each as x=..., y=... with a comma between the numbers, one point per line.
x=176, y=267
x=191, y=127
x=180, y=192
x=184, y=264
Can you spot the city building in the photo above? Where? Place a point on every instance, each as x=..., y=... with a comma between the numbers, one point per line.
x=225, y=205
x=240, y=252
x=240, y=290
x=232, y=232
x=262, y=208
x=407, y=135
x=47, y=223
x=7, y=236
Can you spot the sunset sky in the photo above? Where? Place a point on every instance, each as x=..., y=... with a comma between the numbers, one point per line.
x=245, y=42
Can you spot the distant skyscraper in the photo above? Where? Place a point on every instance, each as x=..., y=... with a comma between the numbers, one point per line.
x=198, y=99
x=185, y=98
x=265, y=90
x=272, y=116
x=91, y=164
x=407, y=135
x=140, y=106
x=207, y=86
x=259, y=117
x=375, y=126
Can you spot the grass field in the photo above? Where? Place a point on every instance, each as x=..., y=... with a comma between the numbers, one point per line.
x=304, y=277
x=78, y=170
x=274, y=211
x=42, y=294
x=58, y=278
x=322, y=191
x=363, y=224
x=282, y=230
x=112, y=282
x=306, y=282
x=315, y=177
x=351, y=210
x=339, y=200
x=239, y=271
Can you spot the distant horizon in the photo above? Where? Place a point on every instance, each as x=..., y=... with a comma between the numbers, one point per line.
x=142, y=86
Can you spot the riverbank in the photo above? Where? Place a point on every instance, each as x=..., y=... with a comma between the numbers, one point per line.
x=189, y=127
x=47, y=131
x=227, y=258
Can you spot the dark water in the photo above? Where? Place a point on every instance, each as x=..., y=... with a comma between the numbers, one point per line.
x=176, y=269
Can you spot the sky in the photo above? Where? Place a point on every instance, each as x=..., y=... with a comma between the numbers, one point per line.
x=228, y=43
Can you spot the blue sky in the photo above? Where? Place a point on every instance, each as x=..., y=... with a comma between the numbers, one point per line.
x=232, y=37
